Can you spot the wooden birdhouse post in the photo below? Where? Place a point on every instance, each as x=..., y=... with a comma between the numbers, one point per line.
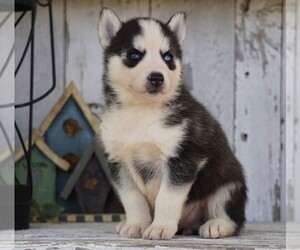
x=45, y=163
x=91, y=181
x=69, y=129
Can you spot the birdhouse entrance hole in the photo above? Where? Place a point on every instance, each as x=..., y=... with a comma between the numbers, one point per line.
x=72, y=159
x=71, y=127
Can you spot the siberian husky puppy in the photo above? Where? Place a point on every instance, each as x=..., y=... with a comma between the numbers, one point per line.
x=169, y=158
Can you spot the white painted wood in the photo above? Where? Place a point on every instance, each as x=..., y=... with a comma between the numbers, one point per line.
x=84, y=53
x=297, y=114
x=208, y=53
x=7, y=78
x=258, y=87
x=289, y=71
x=129, y=8
x=283, y=190
x=43, y=71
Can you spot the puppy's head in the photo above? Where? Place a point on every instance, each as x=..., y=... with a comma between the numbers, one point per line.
x=142, y=61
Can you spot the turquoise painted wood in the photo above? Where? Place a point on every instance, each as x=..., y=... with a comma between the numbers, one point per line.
x=69, y=140
x=59, y=141
x=43, y=175
x=7, y=172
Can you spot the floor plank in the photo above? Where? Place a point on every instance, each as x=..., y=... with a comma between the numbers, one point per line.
x=87, y=236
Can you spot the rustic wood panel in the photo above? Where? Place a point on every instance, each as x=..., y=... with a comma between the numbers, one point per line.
x=6, y=77
x=208, y=53
x=289, y=70
x=297, y=115
x=43, y=73
x=88, y=236
x=127, y=9
x=83, y=50
x=258, y=87
x=7, y=58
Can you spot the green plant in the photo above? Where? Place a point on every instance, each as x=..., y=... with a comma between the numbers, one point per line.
x=45, y=213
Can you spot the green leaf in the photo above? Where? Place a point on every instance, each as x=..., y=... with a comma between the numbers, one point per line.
x=34, y=210
x=50, y=211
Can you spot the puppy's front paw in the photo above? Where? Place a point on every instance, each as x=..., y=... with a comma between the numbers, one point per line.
x=125, y=229
x=217, y=228
x=159, y=232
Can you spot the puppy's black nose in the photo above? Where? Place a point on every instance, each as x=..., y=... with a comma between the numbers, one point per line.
x=156, y=79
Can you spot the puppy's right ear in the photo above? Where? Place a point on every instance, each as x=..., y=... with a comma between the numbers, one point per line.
x=108, y=26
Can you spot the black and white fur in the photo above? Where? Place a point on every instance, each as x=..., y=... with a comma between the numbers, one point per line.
x=169, y=158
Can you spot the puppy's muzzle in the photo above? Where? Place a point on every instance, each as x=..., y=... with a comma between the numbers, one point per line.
x=155, y=82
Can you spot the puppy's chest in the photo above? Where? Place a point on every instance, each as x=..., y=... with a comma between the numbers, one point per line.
x=139, y=133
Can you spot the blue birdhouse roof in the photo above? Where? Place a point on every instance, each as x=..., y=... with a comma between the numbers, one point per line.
x=71, y=93
x=70, y=125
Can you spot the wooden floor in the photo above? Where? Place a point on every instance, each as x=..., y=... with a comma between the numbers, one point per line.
x=87, y=236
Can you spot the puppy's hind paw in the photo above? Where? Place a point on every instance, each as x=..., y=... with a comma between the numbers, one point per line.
x=159, y=232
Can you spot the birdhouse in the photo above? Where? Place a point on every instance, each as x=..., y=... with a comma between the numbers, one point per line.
x=6, y=168
x=45, y=163
x=91, y=181
x=68, y=130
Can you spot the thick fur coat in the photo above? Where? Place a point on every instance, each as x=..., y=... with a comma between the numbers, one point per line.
x=169, y=158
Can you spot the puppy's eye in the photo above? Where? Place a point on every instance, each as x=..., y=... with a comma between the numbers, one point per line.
x=168, y=57
x=134, y=55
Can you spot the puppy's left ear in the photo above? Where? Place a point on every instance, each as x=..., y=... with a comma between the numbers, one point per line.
x=109, y=25
x=177, y=24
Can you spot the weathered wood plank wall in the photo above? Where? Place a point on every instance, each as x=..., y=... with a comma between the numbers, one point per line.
x=43, y=73
x=297, y=116
x=290, y=20
x=232, y=61
x=208, y=53
x=6, y=78
x=292, y=108
x=258, y=96
x=288, y=70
